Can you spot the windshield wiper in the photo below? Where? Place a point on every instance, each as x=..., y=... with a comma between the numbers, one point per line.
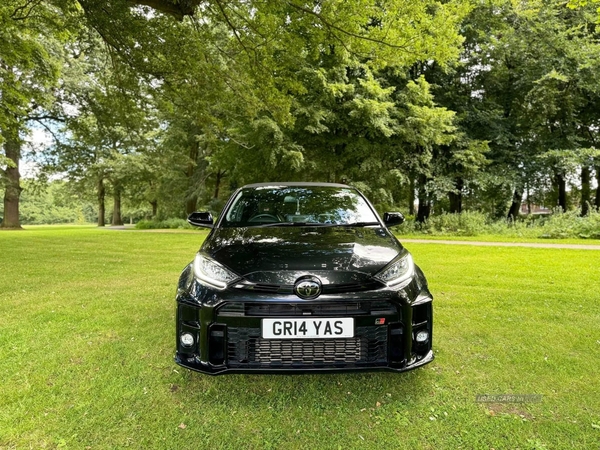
x=359, y=224
x=315, y=224
x=293, y=224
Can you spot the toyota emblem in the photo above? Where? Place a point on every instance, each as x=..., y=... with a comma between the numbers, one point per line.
x=308, y=288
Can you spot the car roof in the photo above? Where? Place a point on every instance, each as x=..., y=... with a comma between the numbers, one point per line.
x=296, y=183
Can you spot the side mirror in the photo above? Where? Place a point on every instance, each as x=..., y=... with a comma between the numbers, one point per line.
x=393, y=218
x=201, y=219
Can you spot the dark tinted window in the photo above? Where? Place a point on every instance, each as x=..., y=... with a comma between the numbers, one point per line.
x=307, y=204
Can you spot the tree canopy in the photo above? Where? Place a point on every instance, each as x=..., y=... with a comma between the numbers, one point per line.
x=167, y=105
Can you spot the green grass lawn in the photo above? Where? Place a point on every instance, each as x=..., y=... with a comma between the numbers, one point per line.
x=87, y=341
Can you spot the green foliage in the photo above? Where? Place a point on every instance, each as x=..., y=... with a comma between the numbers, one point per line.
x=464, y=224
x=54, y=203
x=31, y=55
x=240, y=84
x=527, y=85
x=466, y=104
x=571, y=225
x=570, y=160
x=6, y=163
x=29, y=59
x=558, y=225
x=147, y=224
x=426, y=125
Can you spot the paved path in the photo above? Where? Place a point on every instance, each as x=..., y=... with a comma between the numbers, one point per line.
x=503, y=244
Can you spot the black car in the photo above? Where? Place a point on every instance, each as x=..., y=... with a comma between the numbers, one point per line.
x=302, y=277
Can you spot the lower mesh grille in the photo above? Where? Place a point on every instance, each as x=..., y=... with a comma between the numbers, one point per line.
x=298, y=351
x=245, y=348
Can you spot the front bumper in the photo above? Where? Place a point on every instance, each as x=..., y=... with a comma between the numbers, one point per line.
x=226, y=327
x=209, y=369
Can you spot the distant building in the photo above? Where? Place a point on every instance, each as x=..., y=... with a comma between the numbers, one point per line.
x=535, y=209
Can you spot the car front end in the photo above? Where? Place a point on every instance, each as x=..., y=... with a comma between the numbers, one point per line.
x=287, y=297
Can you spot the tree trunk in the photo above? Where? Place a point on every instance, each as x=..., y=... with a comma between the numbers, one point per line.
x=190, y=203
x=12, y=193
x=116, y=217
x=154, y=204
x=411, y=195
x=424, y=201
x=101, y=195
x=455, y=198
x=332, y=175
x=218, y=177
x=515, y=206
x=585, y=190
x=561, y=189
x=597, y=202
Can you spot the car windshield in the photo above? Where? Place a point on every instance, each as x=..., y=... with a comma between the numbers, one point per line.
x=298, y=206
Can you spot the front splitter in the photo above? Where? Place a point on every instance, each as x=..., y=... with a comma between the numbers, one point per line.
x=209, y=369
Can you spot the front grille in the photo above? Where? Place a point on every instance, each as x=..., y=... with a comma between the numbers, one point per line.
x=271, y=288
x=327, y=288
x=312, y=352
x=247, y=349
x=252, y=309
x=350, y=287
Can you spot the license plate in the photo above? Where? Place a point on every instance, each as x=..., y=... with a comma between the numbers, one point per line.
x=321, y=328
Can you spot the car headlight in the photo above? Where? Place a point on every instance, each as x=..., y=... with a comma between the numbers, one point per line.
x=212, y=273
x=398, y=271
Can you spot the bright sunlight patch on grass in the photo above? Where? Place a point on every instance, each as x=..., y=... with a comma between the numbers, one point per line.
x=87, y=340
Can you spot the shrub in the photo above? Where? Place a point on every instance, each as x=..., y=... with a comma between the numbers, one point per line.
x=558, y=225
x=571, y=225
x=590, y=227
x=164, y=224
x=468, y=223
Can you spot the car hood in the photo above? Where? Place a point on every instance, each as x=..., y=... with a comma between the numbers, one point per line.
x=267, y=254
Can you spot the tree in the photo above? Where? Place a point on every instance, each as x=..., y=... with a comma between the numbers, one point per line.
x=425, y=129
x=29, y=67
x=107, y=113
x=526, y=83
x=269, y=43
